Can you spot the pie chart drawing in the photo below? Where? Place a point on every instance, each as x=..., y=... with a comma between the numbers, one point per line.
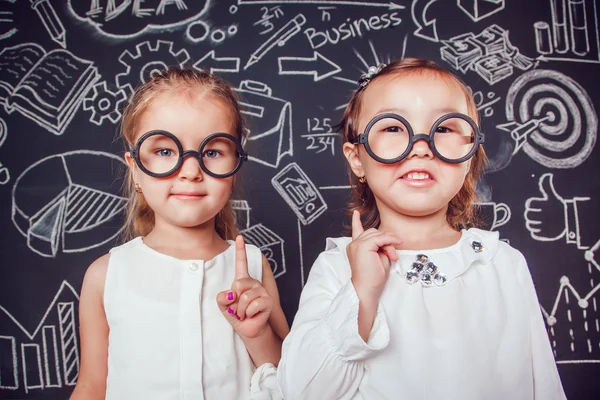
x=70, y=202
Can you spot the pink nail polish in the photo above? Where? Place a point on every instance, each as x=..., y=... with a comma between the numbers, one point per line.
x=237, y=317
x=230, y=311
x=230, y=296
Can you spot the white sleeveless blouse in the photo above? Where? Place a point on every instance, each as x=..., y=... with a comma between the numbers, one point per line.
x=168, y=338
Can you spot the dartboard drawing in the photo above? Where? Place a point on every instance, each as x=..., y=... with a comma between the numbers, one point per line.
x=559, y=117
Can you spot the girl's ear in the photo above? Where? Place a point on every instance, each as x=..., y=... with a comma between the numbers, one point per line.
x=468, y=167
x=131, y=164
x=351, y=154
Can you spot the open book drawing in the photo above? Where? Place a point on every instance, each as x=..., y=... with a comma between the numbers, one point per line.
x=47, y=87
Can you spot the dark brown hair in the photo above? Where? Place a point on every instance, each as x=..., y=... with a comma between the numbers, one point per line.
x=192, y=82
x=461, y=209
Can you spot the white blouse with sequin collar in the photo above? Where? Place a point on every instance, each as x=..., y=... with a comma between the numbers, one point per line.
x=462, y=322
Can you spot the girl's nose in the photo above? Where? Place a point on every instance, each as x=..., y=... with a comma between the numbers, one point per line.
x=421, y=149
x=190, y=169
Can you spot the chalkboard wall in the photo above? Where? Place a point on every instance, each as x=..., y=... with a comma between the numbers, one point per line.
x=68, y=66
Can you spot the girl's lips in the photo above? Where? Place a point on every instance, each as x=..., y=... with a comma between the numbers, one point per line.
x=418, y=183
x=188, y=195
x=417, y=178
x=417, y=174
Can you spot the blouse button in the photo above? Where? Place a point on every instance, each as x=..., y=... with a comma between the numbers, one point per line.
x=194, y=267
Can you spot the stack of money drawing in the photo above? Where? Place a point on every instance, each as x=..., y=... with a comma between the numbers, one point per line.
x=493, y=68
x=489, y=53
x=461, y=52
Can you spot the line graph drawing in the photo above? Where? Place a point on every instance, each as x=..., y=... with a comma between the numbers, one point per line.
x=69, y=201
x=574, y=321
x=551, y=118
x=146, y=61
x=47, y=356
x=590, y=255
x=131, y=19
x=269, y=137
x=46, y=87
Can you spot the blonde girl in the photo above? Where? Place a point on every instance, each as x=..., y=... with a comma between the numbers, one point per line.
x=181, y=310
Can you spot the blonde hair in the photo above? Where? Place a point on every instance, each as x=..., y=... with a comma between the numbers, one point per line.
x=461, y=209
x=139, y=215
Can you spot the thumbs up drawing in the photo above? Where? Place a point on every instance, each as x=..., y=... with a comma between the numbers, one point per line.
x=545, y=216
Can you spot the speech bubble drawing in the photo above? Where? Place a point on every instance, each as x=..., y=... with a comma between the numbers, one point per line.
x=122, y=19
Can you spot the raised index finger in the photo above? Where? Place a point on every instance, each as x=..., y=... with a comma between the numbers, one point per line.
x=357, y=227
x=241, y=261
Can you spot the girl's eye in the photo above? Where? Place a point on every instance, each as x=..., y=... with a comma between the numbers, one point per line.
x=211, y=154
x=443, y=129
x=165, y=152
x=393, y=129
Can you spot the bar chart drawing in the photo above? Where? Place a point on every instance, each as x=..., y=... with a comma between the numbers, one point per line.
x=45, y=357
x=571, y=34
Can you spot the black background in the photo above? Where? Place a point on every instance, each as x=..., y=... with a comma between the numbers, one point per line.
x=30, y=283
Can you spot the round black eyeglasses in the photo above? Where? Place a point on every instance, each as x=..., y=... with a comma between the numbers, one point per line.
x=389, y=138
x=160, y=154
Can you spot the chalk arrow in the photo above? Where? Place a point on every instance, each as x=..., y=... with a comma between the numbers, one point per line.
x=318, y=66
x=520, y=132
x=425, y=29
x=218, y=64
